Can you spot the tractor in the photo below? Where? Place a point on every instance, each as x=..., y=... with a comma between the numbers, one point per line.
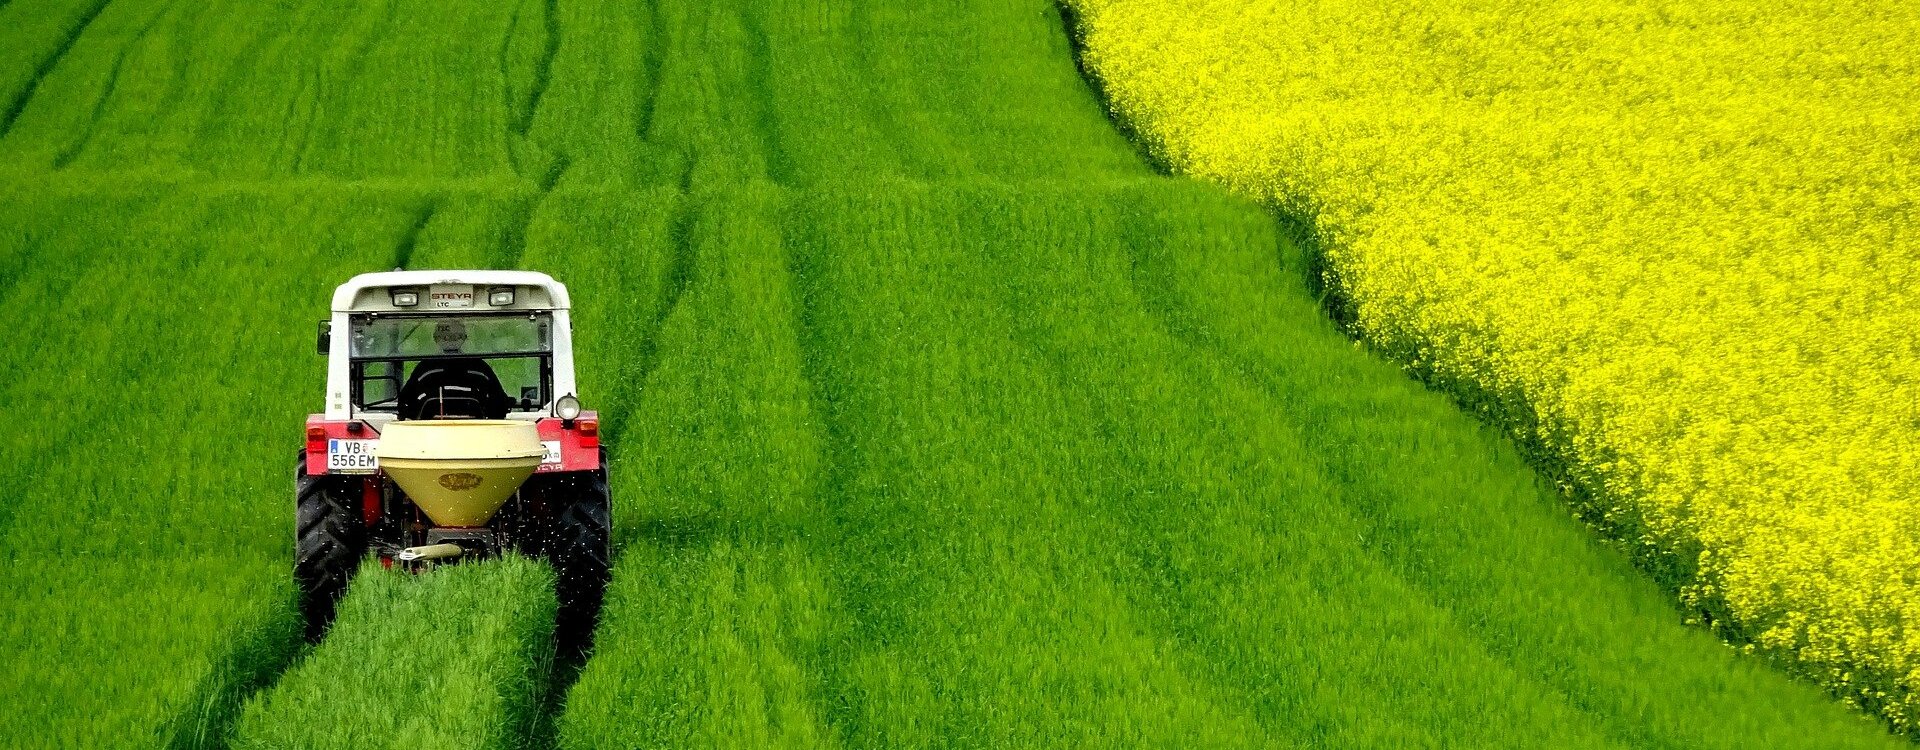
x=452, y=431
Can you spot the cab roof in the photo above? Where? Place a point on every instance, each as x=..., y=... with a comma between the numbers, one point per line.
x=347, y=295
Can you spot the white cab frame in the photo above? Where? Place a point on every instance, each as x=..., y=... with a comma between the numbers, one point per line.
x=372, y=292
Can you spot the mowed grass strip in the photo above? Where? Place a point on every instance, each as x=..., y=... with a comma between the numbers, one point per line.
x=457, y=657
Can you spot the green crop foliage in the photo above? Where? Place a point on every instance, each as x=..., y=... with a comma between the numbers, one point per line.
x=144, y=570
x=937, y=417
x=457, y=657
x=1047, y=482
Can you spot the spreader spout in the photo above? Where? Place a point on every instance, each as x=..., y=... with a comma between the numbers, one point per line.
x=429, y=552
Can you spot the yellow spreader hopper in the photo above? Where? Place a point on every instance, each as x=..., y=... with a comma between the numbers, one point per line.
x=459, y=471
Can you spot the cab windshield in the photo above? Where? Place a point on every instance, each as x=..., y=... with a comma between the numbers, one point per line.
x=508, y=356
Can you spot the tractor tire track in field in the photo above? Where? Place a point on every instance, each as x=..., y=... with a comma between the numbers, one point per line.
x=827, y=401
x=266, y=650
x=11, y=113
x=653, y=60
x=72, y=150
x=1152, y=579
x=556, y=159
x=762, y=87
x=542, y=67
x=1155, y=579
x=1369, y=512
x=220, y=98
x=334, y=87
x=410, y=239
x=682, y=238
x=509, y=106
x=354, y=62
x=530, y=157
x=514, y=247
x=177, y=84
x=896, y=138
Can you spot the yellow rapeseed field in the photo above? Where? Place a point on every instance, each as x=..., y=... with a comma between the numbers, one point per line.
x=1671, y=244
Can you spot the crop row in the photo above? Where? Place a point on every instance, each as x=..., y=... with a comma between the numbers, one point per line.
x=617, y=93
x=457, y=657
x=157, y=342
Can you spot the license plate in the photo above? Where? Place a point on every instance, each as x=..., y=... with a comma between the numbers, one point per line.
x=352, y=456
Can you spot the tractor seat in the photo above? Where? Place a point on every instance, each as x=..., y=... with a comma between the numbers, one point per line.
x=462, y=387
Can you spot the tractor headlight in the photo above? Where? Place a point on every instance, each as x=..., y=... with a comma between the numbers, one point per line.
x=500, y=296
x=406, y=299
x=568, y=407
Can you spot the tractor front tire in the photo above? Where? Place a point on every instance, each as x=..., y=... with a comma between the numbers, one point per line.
x=330, y=538
x=579, y=545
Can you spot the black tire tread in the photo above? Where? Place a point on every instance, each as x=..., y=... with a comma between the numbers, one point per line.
x=579, y=545
x=330, y=538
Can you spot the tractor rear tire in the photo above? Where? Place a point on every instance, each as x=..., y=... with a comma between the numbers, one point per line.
x=330, y=538
x=579, y=545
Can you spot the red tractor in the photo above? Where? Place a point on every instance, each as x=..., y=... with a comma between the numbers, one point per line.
x=452, y=431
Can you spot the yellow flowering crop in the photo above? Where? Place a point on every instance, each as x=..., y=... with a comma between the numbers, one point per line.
x=1672, y=244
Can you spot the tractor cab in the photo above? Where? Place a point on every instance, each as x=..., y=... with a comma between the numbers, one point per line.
x=429, y=344
x=451, y=431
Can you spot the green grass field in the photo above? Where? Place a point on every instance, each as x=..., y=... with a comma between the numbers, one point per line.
x=938, y=417
x=469, y=659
